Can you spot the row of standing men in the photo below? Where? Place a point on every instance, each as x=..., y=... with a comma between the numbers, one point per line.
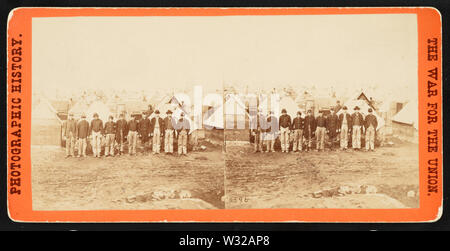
x=269, y=128
x=118, y=133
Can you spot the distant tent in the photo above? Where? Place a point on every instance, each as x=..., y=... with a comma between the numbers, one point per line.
x=364, y=107
x=45, y=125
x=79, y=108
x=290, y=105
x=405, y=123
x=101, y=109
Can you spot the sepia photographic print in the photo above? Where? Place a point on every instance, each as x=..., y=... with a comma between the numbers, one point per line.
x=169, y=112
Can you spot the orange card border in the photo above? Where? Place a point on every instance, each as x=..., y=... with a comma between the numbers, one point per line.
x=20, y=206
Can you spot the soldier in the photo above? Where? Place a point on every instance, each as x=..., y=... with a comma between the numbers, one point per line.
x=132, y=127
x=271, y=132
x=110, y=134
x=169, y=125
x=285, y=124
x=309, y=129
x=70, y=131
x=370, y=124
x=357, y=122
x=96, y=133
x=338, y=106
x=345, y=126
x=82, y=134
x=183, y=127
x=332, y=127
x=156, y=130
x=258, y=132
x=297, y=127
x=121, y=132
x=144, y=131
x=321, y=125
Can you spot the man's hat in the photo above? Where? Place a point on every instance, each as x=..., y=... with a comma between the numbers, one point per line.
x=283, y=111
x=169, y=112
x=356, y=108
x=299, y=113
x=95, y=115
x=83, y=115
x=157, y=112
x=370, y=110
x=344, y=108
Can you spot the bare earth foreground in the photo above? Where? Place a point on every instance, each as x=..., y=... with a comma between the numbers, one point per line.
x=149, y=181
x=312, y=179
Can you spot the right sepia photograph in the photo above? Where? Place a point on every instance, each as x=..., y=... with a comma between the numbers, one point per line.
x=321, y=111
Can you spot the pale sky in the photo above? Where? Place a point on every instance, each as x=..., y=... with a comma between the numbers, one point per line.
x=267, y=51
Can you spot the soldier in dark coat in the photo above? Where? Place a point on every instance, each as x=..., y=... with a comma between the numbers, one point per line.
x=321, y=125
x=370, y=124
x=332, y=127
x=297, y=127
x=132, y=128
x=82, y=135
x=345, y=127
x=309, y=129
x=121, y=132
x=284, y=123
x=144, y=131
x=157, y=131
x=357, y=123
x=183, y=128
x=96, y=131
x=110, y=135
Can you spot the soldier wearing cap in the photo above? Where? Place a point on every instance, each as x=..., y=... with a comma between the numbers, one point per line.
x=285, y=124
x=321, y=125
x=82, y=134
x=110, y=135
x=144, y=131
x=370, y=124
x=357, y=122
x=121, y=132
x=70, y=131
x=271, y=132
x=156, y=130
x=183, y=127
x=309, y=129
x=332, y=127
x=96, y=131
x=345, y=126
x=132, y=128
x=297, y=127
x=169, y=130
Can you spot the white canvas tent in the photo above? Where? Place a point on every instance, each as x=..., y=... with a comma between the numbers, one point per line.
x=79, y=108
x=101, y=109
x=408, y=115
x=364, y=107
x=290, y=105
x=45, y=125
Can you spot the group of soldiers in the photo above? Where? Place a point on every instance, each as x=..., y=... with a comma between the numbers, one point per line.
x=113, y=135
x=302, y=130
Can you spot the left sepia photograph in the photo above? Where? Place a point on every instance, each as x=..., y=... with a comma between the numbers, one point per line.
x=119, y=109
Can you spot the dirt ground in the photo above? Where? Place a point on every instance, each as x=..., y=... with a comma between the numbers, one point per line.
x=289, y=180
x=121, y=182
